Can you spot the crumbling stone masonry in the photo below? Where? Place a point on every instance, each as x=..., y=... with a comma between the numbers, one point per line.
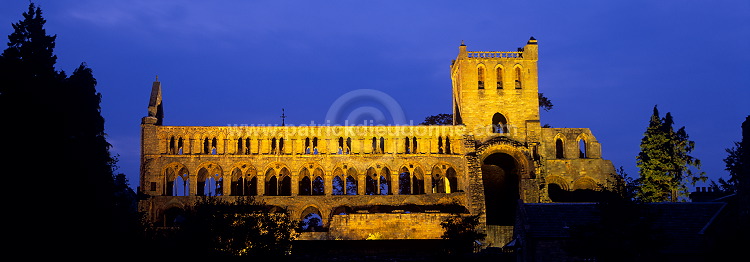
x=392, y=182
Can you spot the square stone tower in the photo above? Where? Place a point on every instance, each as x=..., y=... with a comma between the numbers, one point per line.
x=497, y=92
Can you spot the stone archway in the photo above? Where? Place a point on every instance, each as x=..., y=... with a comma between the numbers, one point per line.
x=501, y=181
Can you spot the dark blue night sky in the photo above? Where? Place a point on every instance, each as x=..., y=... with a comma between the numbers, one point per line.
x=604, y=65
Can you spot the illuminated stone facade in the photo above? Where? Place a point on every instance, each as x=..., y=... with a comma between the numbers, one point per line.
x=406, y=177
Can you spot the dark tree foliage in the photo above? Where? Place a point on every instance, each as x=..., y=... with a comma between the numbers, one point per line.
x=439, y=119
x=545, y=103
x=57, y=121
x=218, y=228
x=462, y=231
x=734, y=165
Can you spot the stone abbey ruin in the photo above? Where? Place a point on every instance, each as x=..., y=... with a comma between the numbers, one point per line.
x=398, y=182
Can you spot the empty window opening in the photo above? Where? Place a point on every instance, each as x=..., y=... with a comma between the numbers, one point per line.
x=518, y=78
x=385, y=184
x=452, y=180
x=171, y=146
x=318, y=187
x=499, y=123
x=582, y=149
x=272, y=186
x=307, y=145
x=382, y=145
x=440, y=145
x=407, y=146
x=181, y=186
x=213, y=146
x=206, y=146
x=179, y=146
x=499, y=74
x=337, y=186
x=312, y=222
x=341, y=146
x=480, y=77
x=559, y=149
x=285, y=182
x=351, y=182
x=404, y=182
x=447, y=145
x=305, y=184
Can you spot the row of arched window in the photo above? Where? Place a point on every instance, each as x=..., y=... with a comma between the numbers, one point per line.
x=278, y=182
x=499, y=76
x=560, y=149
x=176, y=145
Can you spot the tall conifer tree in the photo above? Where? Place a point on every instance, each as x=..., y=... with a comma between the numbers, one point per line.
x=665, y=162
x=54, y=139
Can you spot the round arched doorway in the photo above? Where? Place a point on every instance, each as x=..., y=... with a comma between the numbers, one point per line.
x=500, y=176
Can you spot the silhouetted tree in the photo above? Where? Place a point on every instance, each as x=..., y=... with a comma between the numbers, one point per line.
x=462, y=231
x=215, y=227
x=544, y=102
x=664, y=162
x=45, y=113
x=439, y=119
x=734, y=165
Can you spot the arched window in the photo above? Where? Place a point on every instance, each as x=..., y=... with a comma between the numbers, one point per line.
x=519, y=78
x=404, y=182
x=171, y=146
x=305, y=184
x=438, y=181
x=315, y=145
x=374, y=145
x=318, y=187
x=206, y=146
x=307, y=145
x=417, y=185
x=341, y=145
x=240, y=146
x=452, y=179
x=272, y=185
x=582, y=148
x=179, y=146
x=385, y=184
x=382, y=145
x=447, y=145
x=440, y=145
x=559, y=149
x=499, y=123
x=480, y=77
x=213, y=146
x=351, y=182
x=285, y=185
x=407, y=145
x=281, y=145
x=499, y=74
x=181, y=186
x=338, y=186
